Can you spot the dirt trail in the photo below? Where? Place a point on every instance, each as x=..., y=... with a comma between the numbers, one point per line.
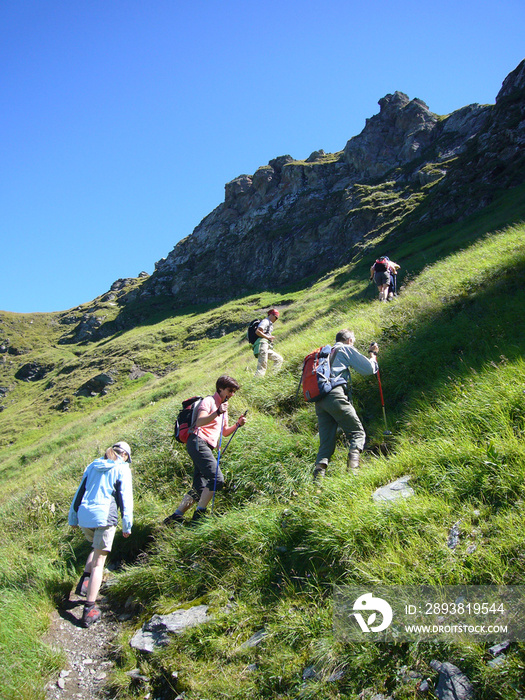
x=88, y=652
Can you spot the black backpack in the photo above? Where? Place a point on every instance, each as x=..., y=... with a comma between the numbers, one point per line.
x=381, y=265
x=186, y=418
x=251, y=334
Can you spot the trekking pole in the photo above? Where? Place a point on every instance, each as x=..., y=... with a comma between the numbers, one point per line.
x=386, y=431
x=300, y=382
x=217, y=467
x=231, y=438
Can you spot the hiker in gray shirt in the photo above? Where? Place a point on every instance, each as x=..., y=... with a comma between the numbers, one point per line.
x=336, y=410
x=263, y=347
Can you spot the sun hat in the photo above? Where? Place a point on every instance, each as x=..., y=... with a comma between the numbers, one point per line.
x=124, y=446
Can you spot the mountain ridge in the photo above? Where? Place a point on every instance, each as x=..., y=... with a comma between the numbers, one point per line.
x=292, y=219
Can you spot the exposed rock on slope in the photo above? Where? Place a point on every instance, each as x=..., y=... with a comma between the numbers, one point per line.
x=292, y=219
x=394, y=137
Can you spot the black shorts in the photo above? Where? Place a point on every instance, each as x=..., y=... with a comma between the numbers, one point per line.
x=205, y=469
x=381, y=278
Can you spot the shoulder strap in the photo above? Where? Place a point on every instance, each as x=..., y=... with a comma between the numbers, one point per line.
x=333, y=354
x=300, y=382
x=195, y=412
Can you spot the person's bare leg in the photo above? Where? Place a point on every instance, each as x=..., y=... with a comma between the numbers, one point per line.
x=185, y=504
x=97, y=571
x=205, y=498
x=89, y=562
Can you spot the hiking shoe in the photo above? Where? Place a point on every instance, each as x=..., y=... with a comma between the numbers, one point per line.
x=82, y=586
x=198, y=515
x=353, y=460
x=90, y=616
x=319, y=471
x=174, y=519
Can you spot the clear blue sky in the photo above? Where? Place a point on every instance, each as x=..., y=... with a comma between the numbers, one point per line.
x=122, y=120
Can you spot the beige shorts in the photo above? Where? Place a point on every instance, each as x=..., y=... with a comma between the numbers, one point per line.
x=100, y=537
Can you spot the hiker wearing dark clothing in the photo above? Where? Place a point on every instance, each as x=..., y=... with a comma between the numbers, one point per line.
x=105, y=489
x=263, y=347
x=381, y=273
x=392, y=287
x=335, y=410
x=205, y=435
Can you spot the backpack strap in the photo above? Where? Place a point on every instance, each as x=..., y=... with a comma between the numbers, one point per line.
x=333, y=354
x=340, y=381
x=300, y=381
x=194, y=415
x=299, y=385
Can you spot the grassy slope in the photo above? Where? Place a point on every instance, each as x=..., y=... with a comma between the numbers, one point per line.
x=453, y=376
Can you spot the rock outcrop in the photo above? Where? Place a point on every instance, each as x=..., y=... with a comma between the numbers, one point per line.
x=394, y=137
x=33, y=371
x=293, y=219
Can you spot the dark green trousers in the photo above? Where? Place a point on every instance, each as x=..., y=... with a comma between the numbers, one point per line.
x=333, y=411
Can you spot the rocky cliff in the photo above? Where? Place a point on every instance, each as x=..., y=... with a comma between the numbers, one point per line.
x=292, y=219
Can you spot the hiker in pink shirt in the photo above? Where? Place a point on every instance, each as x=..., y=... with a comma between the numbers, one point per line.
x=212, y=416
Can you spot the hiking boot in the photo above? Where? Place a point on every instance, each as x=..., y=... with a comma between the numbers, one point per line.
x=174, y=519
x=353, y=460
x=319, y=471
x=198, y=515
x=90, y=616
x=82, y=585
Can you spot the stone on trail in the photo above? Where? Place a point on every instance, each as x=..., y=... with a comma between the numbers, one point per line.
x=155, y=633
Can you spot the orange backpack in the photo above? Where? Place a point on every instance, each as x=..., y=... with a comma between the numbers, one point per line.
x=316, y=376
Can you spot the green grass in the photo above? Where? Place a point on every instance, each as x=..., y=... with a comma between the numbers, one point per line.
x=452, y=370
x=26, y=659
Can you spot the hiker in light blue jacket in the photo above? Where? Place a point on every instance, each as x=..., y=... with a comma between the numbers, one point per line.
x=106, y=488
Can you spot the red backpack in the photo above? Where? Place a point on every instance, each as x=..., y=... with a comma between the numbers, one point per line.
x=316, y=376
x=186, y=418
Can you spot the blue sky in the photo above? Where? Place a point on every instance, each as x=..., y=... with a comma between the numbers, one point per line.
x=121, y=121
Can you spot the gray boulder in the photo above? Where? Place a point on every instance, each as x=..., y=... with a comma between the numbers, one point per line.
x=32, y=372
x=499, y=648
x=394, y=490
x=453, y=684
x=95, y=385
x=155, y=633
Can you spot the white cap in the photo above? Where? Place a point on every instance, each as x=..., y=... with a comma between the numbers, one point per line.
x=124, y=446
